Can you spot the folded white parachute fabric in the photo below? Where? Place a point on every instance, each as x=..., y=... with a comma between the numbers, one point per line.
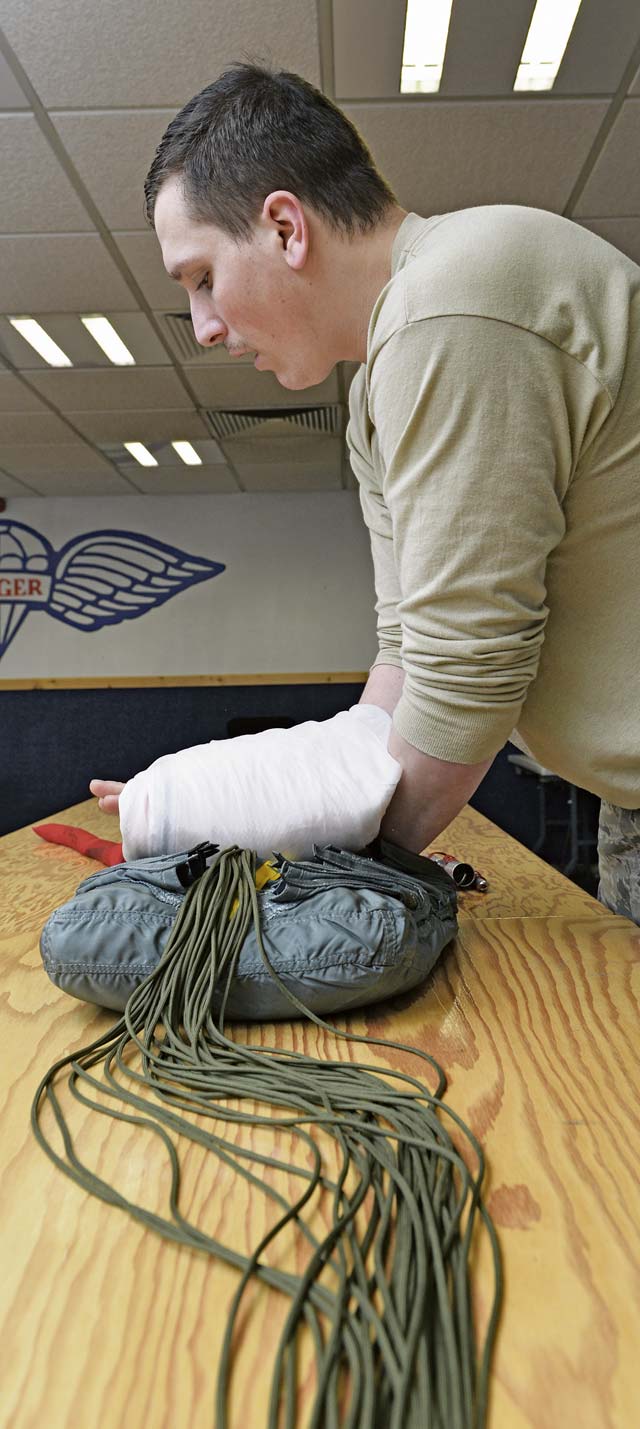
x=325, y=782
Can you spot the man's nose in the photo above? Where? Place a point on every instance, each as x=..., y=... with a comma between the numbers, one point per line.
x=207, y=327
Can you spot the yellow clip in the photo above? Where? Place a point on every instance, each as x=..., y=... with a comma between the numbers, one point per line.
x=264, y=874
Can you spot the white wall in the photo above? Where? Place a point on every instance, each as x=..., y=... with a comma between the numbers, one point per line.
x=296, y=595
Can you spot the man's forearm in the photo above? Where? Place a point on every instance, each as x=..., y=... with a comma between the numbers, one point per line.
x=430, y=794
x=431, y=791
x=384, y=687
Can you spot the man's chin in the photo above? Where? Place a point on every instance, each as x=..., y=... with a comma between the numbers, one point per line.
x=297, y=381
x=289, y=380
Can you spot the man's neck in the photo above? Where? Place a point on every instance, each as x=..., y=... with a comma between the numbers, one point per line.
x=361, y=268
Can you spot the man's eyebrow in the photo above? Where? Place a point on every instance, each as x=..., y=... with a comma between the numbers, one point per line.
x=178, y=273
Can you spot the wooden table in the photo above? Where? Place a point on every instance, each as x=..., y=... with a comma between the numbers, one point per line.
x=533, y=1014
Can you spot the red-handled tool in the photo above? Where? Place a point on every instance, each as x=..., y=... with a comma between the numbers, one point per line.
x=104, y=850
x=464, y=875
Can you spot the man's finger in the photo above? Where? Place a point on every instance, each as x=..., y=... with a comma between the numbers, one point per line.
x=103, y=787
x=107, y=792
x=110, y=804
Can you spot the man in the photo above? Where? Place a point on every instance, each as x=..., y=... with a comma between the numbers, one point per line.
x=494, y=432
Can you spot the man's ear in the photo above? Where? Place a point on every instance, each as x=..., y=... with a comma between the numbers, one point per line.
x=284, y=215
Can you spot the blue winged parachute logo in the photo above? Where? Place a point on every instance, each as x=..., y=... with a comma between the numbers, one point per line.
x=97, y=579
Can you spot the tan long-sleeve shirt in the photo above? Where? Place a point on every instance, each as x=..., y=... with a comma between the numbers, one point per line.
x=495, y=435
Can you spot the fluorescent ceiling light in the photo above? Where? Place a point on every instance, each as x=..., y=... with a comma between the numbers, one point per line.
x=140, y=453
x=187, y=453
x=34, y=334
x=425, y=41
x=551, y=25
x=107, y=338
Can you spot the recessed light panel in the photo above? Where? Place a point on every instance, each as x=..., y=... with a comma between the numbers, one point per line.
x=425, y=42
x=37, y=338
x=551, y=25
x=104, y=333
x=140, y=453
x=187, y=453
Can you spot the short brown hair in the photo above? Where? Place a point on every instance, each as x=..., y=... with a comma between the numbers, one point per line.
x=253, y=131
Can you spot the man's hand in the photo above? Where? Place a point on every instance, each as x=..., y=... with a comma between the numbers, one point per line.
x=107, y=792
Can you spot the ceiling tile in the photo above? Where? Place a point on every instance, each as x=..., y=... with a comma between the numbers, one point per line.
x=89, y=54
x=80, y=483
x=291, y=476
x=29, y=460
x=299, y=449
x=55, y=273
x=528, y=152
x=141, y=251
x=15, y=396
x=11, y=96
x=614, y=185
x=142, y=426
x=244, y=387
x=186, y=481
x=33, y=427
x=623, y=233
x=130, y=137
x=112, y=389
x=37, y=196
x=10, y=486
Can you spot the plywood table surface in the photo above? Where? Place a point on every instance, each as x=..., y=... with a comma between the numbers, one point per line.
x=532, y=1012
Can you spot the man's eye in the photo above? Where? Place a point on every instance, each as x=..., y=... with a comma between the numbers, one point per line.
x=203, y=283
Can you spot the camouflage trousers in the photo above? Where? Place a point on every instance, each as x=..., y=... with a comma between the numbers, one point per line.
x=619, y=859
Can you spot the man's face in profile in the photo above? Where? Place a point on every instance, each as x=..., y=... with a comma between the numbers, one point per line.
x=245, y=294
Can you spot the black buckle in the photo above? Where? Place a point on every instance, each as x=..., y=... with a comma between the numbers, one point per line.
x=195, y=863
x=416, y=865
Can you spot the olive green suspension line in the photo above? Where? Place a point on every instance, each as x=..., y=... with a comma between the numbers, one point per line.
x=393, y=1340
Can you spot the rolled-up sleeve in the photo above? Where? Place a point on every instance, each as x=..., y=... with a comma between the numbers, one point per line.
x=474, y=438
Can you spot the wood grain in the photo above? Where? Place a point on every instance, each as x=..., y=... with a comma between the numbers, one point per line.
x=519, y=883
x=139, y=682
x=533, y=1013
